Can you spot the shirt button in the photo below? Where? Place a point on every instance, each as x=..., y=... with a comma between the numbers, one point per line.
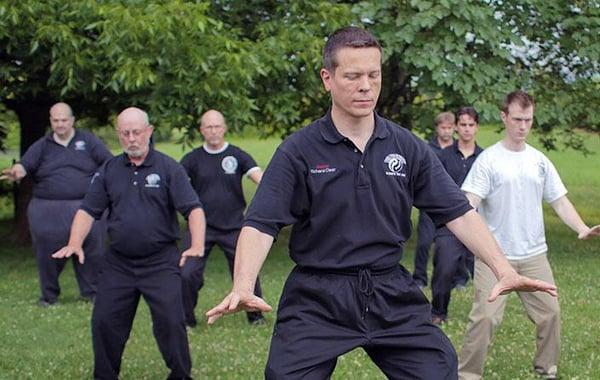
x=135, y=173
x=362, y=166
x=355, y=150
x=134, y=183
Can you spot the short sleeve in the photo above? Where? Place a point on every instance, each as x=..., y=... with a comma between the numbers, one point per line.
x=281, y=198
x=435, y=192
x=182, y=193
x=96, y=199
x=246, y=162
x=479, y=179
x=553, y=185
x=31, y=160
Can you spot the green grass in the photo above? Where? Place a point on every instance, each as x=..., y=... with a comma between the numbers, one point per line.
x=55, y=343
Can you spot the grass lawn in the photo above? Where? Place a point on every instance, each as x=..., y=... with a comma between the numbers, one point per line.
x=55, y=343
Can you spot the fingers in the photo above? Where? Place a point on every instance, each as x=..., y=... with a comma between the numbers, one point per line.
x=66, y=252
x=521, y=284
x=182, y=260
x=590, y=233
x=228, y=305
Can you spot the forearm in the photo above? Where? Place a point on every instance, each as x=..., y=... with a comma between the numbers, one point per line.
x=80, y=228
x=252, y=249
x=567, y=213
x=471, y=230
x=197, y=226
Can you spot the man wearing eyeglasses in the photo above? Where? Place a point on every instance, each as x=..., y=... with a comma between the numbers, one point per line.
x=143, y=189
x=216, y=170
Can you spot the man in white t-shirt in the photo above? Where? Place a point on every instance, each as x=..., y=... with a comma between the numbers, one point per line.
x=507, y=184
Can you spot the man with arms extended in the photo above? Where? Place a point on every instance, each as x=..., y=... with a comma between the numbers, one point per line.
x=451, y=256
x=216, y=170
x=61, y=165
x=347, y=183
x=507, y=184
x=143, y=189
x=444, y=128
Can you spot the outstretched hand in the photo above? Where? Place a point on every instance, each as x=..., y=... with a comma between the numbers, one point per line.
x=192, y=252
x=68, y=251
x=10, y=175
x=237, y=301
x=517, y=283
x=590, y=233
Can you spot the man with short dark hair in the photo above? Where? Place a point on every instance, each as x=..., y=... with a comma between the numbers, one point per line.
x=451, y=256
x=507, y=184
x=347, y=183
x=142, y=189
x=216, y=170
x=61, y=165
x=444, y=129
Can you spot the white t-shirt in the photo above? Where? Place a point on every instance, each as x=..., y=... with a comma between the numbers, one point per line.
x=512, y=186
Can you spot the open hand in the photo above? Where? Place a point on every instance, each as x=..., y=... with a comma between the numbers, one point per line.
x=237, y=301
x=590, y=233
x=517, y=283
x=68, y=251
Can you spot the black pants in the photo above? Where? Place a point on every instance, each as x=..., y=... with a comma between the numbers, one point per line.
x=425, y=233
x=122, y=281
x=449, y=269
x=50, y=226
x=193, y=270
x=323, y=315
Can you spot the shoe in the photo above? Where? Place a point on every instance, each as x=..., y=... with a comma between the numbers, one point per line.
x=46, y=303
x=551, y=374
x=257, y=321
x=191, y=322
x=437, y=320
x=460, y=287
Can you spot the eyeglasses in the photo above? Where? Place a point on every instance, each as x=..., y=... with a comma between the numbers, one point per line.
x=133, y=132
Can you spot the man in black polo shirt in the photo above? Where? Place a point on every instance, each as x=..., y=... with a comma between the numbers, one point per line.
x=61, y=165
x=142, y=189
x=216, y=170
x=444, y=129
x=347, y=183
x=451, y=256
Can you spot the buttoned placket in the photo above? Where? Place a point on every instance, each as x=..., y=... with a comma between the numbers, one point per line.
x=362, y=174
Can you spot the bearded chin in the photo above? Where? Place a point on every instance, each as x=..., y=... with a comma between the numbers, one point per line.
x=137, y=153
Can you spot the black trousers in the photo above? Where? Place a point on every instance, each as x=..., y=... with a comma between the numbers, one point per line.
x=193, y=270
x=425, y=233
x=323, y=315
x=449, y=269
x=122, y=281
x=50, y=226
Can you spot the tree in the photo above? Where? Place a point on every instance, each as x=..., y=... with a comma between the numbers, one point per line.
x=443, y=54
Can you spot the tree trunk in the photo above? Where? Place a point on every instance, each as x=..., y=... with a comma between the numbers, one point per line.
x=33, y=119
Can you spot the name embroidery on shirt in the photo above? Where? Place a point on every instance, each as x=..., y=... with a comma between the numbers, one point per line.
x=229, y=164
x=152, y=180
x=322, y=168
x=395, y=165
x=79, y=145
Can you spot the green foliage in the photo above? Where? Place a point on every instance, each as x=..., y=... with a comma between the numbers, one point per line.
x=258, y=61
x=440, y=55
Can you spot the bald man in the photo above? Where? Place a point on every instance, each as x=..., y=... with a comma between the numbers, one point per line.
x=216, y=170
x=143, y=189
x=61, y=165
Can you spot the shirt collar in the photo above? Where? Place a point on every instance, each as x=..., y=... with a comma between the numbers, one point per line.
x=333, y=136
x=476, y=152
x=215, y=151
x=149, y=161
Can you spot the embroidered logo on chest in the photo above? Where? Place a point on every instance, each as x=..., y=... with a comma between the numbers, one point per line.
x=229, y=164
x=395, y=165
x=79, y=145
x=152, y=180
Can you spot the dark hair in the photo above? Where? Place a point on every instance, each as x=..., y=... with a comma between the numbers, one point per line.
x=519, y=97
x=350, y=36
x=467, y=110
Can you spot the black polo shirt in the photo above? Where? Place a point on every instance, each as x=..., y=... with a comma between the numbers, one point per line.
x=64, y=172
x=217, y=179
x=142, y=202
x=351, y=209
x=456, y=164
